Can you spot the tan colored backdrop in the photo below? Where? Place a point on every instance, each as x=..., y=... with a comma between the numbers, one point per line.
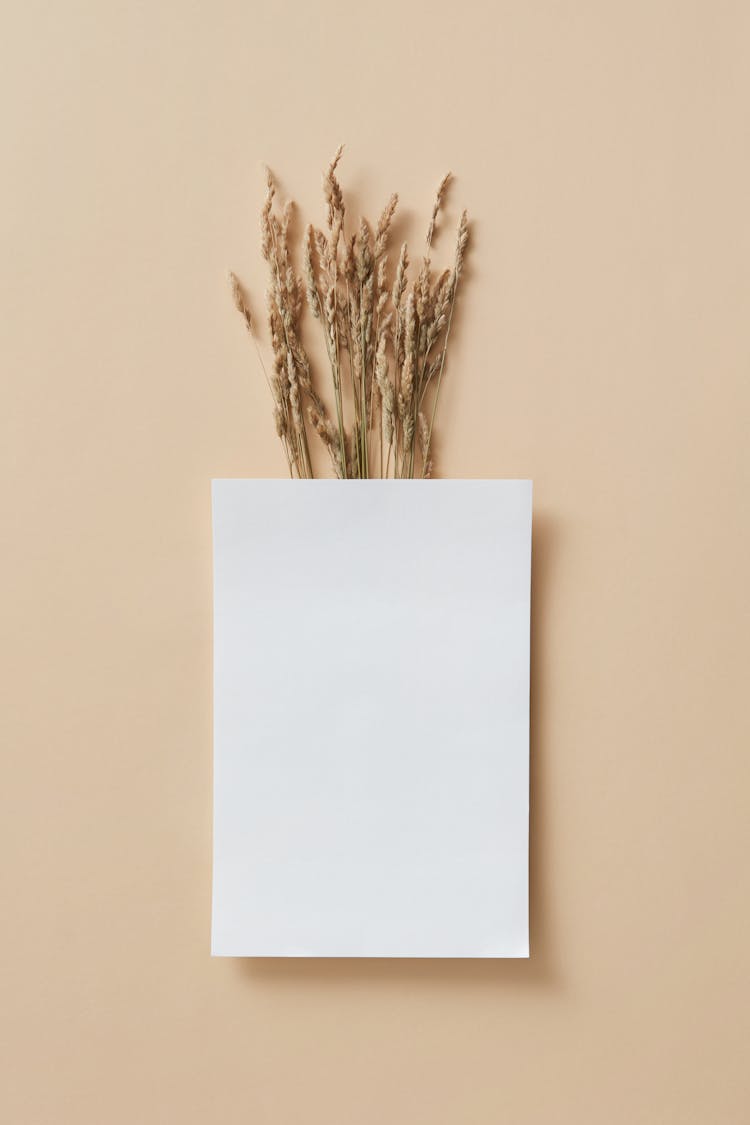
x=602, y=348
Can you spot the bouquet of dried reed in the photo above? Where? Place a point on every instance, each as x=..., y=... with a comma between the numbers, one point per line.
x=386, y=339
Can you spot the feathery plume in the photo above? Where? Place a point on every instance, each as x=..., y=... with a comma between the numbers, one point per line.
x=436, y=208
x=368, y=313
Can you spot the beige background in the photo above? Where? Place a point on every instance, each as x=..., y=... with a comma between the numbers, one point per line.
x=602, y=348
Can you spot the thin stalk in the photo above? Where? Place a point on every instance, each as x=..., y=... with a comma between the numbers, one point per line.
x=442, y=365
x=337, y=376
x=363, y=433
x=353, y=378
x=305, y=449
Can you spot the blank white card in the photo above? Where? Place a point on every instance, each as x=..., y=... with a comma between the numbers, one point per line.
x=371, y=718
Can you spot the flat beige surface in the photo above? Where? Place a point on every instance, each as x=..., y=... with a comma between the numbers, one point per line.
x=602, y=348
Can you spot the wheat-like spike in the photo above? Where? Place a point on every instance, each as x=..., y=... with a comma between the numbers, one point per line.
x=239, y=301
x=266, y=238
x=332, y=191
x=381, y=232
x=461, y=240
x=440, y=304
x=279, y=413
x=436, y=208
x=313, y=297
x=389, y=413
x=323, y=425
x=399, y=287
x=381, y=362
x=407, y=370
x=286, y=218
x=399, y=284
x=294, y=395
x=385, y=323
x=362, y=253
x=279, y=421
x=380, y=286
x=422, y=288
x=424, y=436
x=328, y=434
x=385, y=386
x=322, y=248
x=350, y=262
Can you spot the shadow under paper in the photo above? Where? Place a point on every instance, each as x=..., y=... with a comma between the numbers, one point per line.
x=538, y=971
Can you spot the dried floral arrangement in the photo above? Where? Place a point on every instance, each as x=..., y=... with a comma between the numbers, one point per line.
x=386, y=338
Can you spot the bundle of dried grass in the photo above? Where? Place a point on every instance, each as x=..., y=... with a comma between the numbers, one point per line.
x=386, y=340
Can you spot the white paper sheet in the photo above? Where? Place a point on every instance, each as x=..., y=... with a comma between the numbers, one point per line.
x=371, y=718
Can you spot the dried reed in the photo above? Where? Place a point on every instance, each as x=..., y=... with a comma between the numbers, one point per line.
x=386, y=341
